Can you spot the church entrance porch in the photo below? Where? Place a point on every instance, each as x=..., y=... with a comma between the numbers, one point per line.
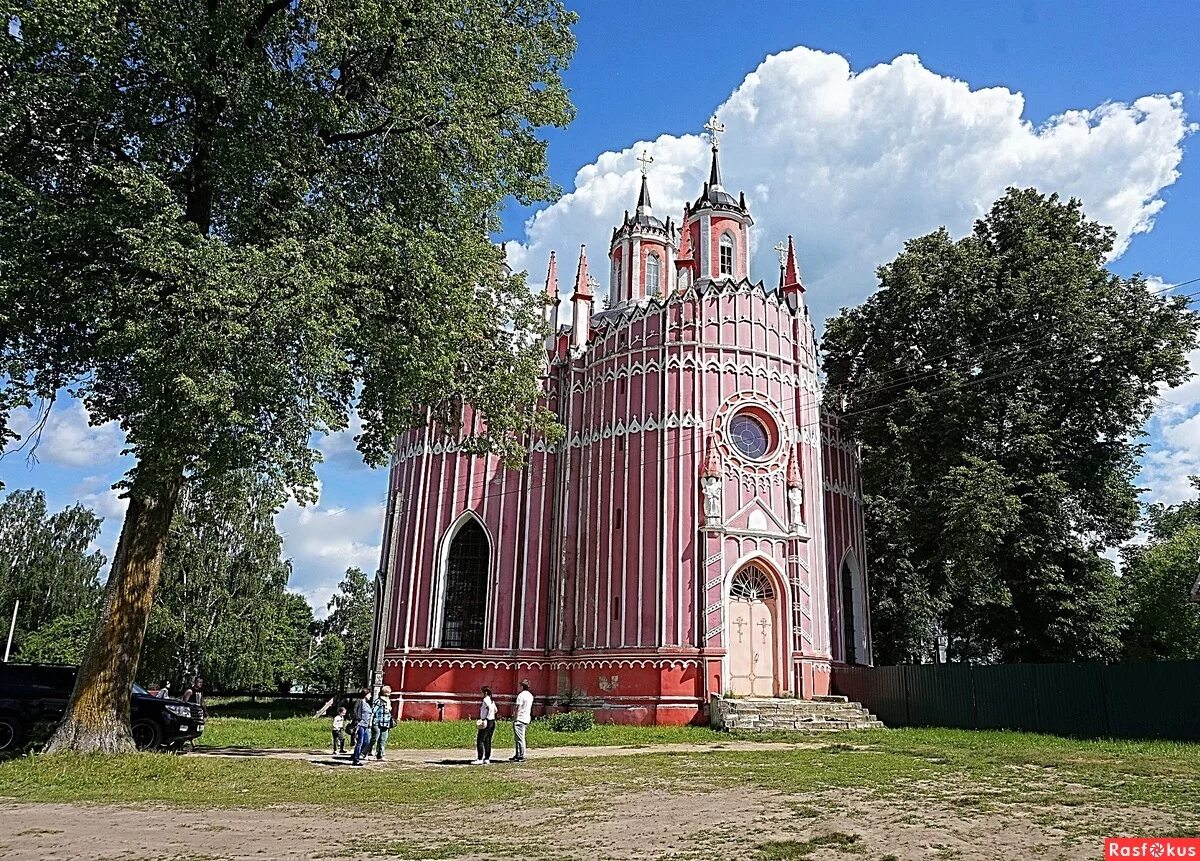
x=753, y=646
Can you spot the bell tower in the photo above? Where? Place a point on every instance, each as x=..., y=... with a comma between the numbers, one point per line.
x=717, y=226
x=642, y=251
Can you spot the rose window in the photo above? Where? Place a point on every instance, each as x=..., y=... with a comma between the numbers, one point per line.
x=750, y=436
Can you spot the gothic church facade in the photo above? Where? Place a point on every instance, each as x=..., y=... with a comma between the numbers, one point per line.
x=698, y=531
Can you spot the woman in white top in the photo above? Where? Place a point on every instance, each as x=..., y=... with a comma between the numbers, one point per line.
x=487, y=728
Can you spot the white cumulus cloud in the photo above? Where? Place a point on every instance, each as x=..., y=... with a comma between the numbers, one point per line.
x=854, y=163
x=67, y=438
x=324, y=541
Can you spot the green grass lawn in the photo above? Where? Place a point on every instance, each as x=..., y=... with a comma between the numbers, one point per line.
x=976, y=770
x=304, y=733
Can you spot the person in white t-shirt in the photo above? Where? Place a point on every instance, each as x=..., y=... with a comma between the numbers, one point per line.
x=522, y=715
x=487, y=729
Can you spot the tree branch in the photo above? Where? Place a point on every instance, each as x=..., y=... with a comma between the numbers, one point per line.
x=254, y=34
x=329, y=137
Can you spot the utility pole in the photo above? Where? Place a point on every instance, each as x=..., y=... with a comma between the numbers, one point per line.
x=12, y=626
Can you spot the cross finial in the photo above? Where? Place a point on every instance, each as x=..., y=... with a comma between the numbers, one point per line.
x=715, y=130
x=780, y=249
x=646, y=160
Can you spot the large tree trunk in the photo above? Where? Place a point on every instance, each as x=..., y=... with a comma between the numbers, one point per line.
x=97, y=717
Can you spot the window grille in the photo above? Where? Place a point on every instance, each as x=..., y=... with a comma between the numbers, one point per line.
x=466, y=589
x=751, y=584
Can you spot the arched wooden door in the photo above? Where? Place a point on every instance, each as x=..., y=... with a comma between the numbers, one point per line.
x=752, y=644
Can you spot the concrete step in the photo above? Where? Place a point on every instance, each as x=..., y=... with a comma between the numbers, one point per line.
x=763, y=714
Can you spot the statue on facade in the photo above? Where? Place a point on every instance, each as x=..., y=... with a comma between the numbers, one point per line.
x=710, y=485
x=795, y=494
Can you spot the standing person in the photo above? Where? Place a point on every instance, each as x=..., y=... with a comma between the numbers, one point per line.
x=362, y=721
x=487, y=729
x=339, y=731
x=382, y=722
x=522, y=715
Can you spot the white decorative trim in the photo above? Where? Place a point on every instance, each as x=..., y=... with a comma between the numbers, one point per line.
x=581, y=663
x=842, y=489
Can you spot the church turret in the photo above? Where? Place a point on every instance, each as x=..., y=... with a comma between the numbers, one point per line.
x=581, y=302
x=718, y=224
x=642, y=251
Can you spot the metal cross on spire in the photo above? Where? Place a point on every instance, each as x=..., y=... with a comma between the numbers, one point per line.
x=646, y=160
x=781, y=249
x=715, y=130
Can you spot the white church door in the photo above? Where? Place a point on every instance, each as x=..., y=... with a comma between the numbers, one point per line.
x=751, y=634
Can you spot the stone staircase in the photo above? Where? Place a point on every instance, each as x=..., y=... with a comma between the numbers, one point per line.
x=820, y=714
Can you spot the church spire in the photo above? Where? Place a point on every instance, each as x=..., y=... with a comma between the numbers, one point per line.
x=714, y=173
x=791, y=275
x=551, y=298
x=581, y=302
x=643, y=204
x=582, y=285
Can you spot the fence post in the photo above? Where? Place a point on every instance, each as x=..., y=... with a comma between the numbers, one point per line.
x=974, y=696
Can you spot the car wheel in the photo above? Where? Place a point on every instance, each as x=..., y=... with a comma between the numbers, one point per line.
x=11, y=734
x=146, y=734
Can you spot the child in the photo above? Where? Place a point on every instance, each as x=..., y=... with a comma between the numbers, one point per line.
x=339, y=734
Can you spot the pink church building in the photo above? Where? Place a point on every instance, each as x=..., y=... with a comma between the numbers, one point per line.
x=697, y=532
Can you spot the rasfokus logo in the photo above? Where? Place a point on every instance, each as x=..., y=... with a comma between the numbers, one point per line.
x=1152, y=847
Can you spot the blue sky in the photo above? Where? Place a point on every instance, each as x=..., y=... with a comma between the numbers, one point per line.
x=845, y=146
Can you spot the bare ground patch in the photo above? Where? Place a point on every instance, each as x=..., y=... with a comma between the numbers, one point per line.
x=647, y=824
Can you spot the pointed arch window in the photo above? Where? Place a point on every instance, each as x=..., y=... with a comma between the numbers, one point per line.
x=653, y=274
x=465, y=603
x=727, y=249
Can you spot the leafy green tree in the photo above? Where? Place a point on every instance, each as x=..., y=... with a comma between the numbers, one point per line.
x=349, y=621
x=288, y=648
x=45, y=563
x=223, y=610
x=325, y=671
x=995, y=384
x=63, y=640
x=224, y=224
x=1156, y=582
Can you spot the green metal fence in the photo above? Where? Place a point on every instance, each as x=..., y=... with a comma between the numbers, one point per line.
x=1150, y=700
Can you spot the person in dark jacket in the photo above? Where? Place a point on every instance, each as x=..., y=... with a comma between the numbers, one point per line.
x=363, y=716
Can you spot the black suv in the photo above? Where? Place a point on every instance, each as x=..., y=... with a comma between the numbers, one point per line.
x=33, y=698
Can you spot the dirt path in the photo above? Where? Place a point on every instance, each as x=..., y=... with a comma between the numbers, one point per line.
x=652, y=824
